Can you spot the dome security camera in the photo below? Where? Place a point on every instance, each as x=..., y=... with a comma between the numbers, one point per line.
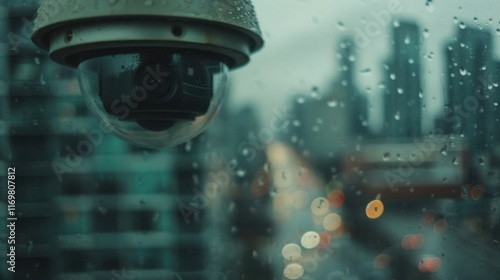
x=154, y=71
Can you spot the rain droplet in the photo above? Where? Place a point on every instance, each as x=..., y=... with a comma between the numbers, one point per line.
x=426, y=33
x=444, y=150
x=188, y=146
x=332, y=103
x=400, y=90
x=463, y=71
x=341, y=26
x=149, y=2
x=241, y=173
x=397, y=116
x=462, y=25
x=102, y=208
x=481, y=160
x=392, y=76
x=386, y=156
x=315, y=93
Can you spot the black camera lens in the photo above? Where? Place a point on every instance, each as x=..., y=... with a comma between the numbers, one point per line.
x=156, y=125
x=160, y=82
x=157, y=90
x=154, y=96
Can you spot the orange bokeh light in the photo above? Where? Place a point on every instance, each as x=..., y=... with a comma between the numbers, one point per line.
x=440, y=226
x=325, y=240
x=374, y=209
x=412, y=241
x=429, y=264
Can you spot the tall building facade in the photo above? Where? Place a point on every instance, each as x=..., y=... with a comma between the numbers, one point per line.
x=471, y=75
x=89, y=205
x=402, y=101
x=330, y=120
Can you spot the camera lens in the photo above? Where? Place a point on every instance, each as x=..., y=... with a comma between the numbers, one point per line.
x=156, y=125
x=159, y=88
x=154, y=98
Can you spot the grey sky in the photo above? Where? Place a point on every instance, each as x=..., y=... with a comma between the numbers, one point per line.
x=301, y=37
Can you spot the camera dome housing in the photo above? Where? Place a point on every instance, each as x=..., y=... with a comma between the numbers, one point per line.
x=153, y=71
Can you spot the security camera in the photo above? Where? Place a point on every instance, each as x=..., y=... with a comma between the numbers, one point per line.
x=154, y=72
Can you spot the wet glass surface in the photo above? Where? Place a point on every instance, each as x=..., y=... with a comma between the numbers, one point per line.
x=362, y=142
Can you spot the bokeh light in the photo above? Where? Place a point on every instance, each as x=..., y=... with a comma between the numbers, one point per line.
x=428, y=218
x=336, y=198
x=429, y=264
x=374, y=209
x=291, y=252
x=440, y=226
x=71, y=215
x=332, y=222
x=293, y=271
x=382, y=261
x=477, y=192
x=320, y=206
x=412, y=241
x=334, y=184
x=310, y=239
x=325, y=240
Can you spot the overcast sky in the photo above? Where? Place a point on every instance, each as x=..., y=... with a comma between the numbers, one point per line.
x=301, y=37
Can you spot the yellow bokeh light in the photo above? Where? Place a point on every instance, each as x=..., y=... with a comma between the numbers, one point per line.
x=332, y=222
x=374, y=209
x=382, y=261
x=293, y=271
x=291, y=252
x=320, y=206
x=310, y=239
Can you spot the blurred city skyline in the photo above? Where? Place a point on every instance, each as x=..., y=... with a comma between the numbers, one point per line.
x=281, y=71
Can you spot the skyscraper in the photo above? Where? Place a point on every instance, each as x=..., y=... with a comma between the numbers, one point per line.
x=329, y=119
x=402, y=94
